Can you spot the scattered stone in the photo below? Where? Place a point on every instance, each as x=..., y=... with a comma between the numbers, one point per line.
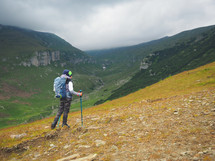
x=114, y=148
x=36, y=155
x=121, y=133
x=19, y=136
x=185, y=153
x=141, y=118
x=84, y=146
x=66, y=146
x=93, y=128
x=175, y=112
x=87, y=158
x=164, y=159
x=204, y=103
x=78, y=120
x=205, y=113
x=100, y=143
x=52, y=146
x=69, y=153
x=94, y=119
x=205, y=152
x=74, y=156
x=196, y=159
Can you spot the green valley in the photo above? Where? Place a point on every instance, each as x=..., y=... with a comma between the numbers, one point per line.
x=31, y=60
x=151, y=62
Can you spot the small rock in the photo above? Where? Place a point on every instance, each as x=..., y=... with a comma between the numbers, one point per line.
x=36, y=155
x=93, y=128
x=18, y=136
x=74, y=156
x=196, y=159
x=141, y=118
x=100, y=143
x=78, y=120
x=164, y=159
x=87, y=158
x=185, y=153
x=205, y=113
x=94, y=119
x=66, y=146
x=84, y=146
x=52, y=145
x=175, y=112
x=114, y=148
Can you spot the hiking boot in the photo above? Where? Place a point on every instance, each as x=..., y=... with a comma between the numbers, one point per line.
x=53, y=126
x=66, y=125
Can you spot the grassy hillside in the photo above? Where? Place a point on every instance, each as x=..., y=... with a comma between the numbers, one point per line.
x=170, y=120
x=164, y=57
x=185, y=55
x=26, y=91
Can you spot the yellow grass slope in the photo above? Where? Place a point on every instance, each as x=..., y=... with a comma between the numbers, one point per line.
x=172, y=119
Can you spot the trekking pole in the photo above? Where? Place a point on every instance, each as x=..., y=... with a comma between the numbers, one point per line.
x=58, y=122
x=81, y=109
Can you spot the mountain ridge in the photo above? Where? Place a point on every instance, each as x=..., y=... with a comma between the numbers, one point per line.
x=150, y=62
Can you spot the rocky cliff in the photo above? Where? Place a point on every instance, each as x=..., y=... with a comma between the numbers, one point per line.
x=43, y=58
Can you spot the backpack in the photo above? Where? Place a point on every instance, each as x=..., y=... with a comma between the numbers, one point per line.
x=60, y=87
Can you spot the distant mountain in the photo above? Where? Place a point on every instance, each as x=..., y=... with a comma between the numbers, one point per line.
x=29, y=62
x=147, y=63
x=20, y=43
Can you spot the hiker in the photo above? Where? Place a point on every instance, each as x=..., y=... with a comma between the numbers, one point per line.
x=65, y=102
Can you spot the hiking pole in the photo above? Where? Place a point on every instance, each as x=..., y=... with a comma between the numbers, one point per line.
x=58, y=122
x=81, y=109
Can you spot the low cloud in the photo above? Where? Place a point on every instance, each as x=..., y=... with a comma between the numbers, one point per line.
x=103, y=24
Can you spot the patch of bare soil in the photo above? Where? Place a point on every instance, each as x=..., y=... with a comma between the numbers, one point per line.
x=174, y=128
x=20, y=102
x=8, y=91
x=2, y=115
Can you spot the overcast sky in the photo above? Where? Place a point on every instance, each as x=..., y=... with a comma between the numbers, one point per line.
x=96, y=24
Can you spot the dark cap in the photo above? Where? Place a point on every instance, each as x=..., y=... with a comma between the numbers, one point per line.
x=67, y=72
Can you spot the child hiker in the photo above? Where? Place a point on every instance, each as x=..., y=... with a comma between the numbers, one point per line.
x=65, y=101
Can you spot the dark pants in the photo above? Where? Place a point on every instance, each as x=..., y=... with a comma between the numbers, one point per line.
x=64, y=108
